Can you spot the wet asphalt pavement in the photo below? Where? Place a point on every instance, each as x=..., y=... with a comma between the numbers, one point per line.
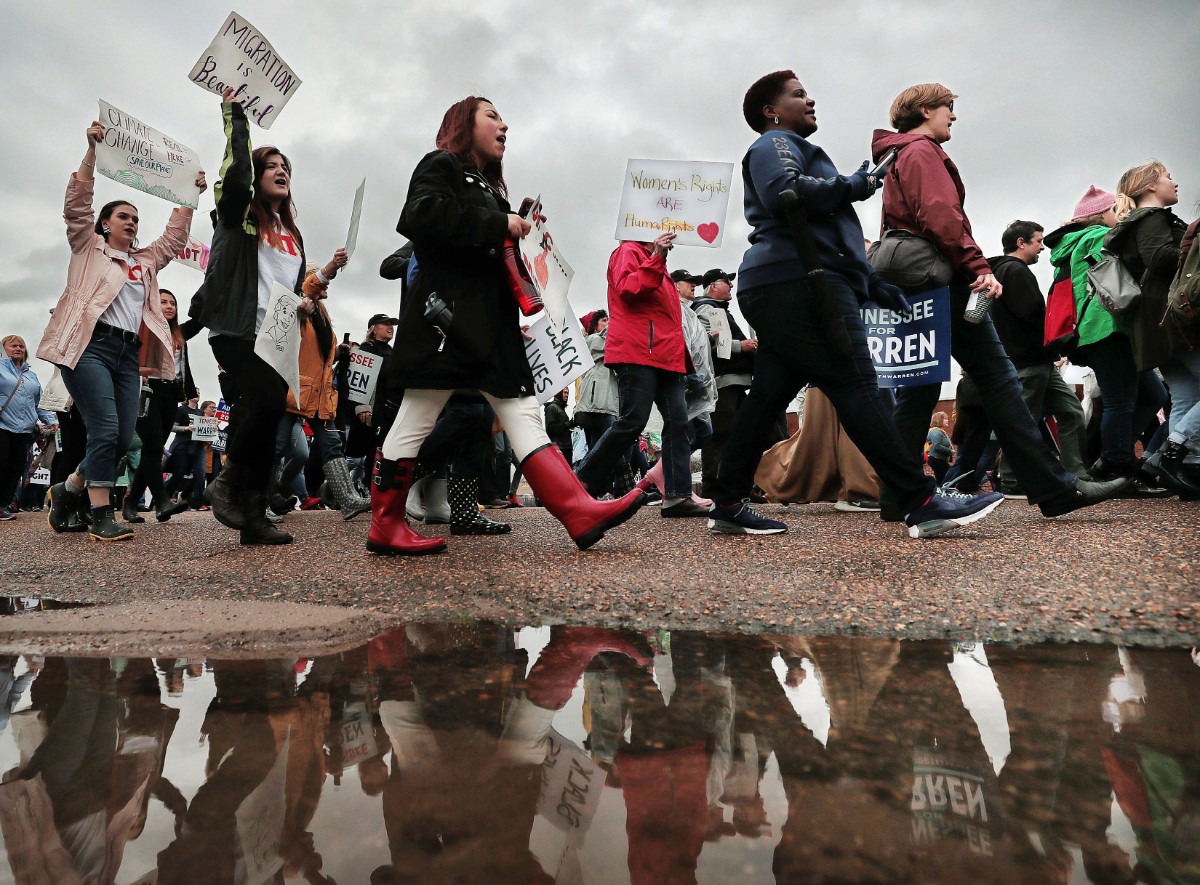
x=1122, y=572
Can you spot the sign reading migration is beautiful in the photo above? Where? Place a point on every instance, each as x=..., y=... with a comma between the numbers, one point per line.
x=689, y=198
x=913, y=351
x=133, y=153
x=241, y=58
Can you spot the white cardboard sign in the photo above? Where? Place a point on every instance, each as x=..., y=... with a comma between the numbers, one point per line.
x=204, y=429
x=240, y=57
x=194, y=255
x=547, y=267
x=362, y=375
x=141, y=157
x=690, y=198
x=556, y=356
x=278, y=341
x=355, y=216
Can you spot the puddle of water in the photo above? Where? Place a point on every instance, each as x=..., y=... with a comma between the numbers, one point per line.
x=15, y=605
x=479, y=753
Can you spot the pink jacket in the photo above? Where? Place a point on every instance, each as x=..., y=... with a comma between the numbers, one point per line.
x=645, y=323
x=94, y=278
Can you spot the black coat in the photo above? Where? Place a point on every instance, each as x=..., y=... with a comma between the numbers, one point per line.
x=1019, y=315
x=458, y=225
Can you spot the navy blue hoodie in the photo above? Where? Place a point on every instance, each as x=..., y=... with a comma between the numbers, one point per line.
x=781, y=160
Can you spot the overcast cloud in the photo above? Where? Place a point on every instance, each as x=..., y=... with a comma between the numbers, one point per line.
x=1054, y=96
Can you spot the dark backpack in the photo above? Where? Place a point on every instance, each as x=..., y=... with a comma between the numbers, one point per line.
x=1183, y=296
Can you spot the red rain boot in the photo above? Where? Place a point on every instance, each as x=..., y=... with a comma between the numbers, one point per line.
x=561, y=664
x=556, y=486
x=390, y=532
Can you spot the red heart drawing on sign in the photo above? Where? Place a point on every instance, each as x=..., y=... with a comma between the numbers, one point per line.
x=708, y=232
x=542, y=270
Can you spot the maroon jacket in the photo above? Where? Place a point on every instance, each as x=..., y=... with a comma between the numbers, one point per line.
x=924, y=194
x=645, y=323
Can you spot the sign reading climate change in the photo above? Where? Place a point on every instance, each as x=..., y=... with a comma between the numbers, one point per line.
x=689, y=198
x=241, y=58
x=145, y=159
x=914, y=351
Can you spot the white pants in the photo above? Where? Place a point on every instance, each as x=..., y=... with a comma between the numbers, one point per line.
x=520, y=416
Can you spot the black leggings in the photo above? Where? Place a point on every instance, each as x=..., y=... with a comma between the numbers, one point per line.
x=259, y=401
x=153, y=428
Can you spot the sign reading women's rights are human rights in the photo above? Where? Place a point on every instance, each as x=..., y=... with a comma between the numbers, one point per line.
x=689, y=198
x=241, y=58
x=133, y=153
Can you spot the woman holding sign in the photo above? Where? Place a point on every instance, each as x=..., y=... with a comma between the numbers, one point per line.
x=256, y=244
x=460, y=328
x=107, y=324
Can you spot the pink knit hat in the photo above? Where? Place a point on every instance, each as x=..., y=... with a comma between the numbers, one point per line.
x=1094, y=202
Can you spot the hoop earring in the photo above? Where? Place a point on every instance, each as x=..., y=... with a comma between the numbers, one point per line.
x=776, y=119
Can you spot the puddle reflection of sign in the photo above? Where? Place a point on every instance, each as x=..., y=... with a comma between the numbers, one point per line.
x=915, y=351
x=362, y=375
x=571, y=786
x=358, y=736
x=689, y=198
x=259, y=822
x=557, y=358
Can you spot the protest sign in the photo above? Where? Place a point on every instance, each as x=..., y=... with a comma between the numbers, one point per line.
x=222, y=441
x=204, y=428
x=571, y=786
x=362, y=375
x=355, y=216
x=241, y=58
x=143, y=158
x=278, y=341
x=690, y=198
x=910, y=352
x=259, y=820
x=222, y=411
x=194, y=255
x=718, y=321
x=40, y=477
x=357, y=735
x=556, y=356
x=549, y=270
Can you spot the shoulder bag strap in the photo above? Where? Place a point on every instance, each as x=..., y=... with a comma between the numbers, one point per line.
x=20, y=381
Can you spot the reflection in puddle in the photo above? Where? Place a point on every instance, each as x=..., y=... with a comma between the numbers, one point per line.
x=475, y=753
x=15, y=605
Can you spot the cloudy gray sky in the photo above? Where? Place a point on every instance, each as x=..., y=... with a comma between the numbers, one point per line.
x=1054, y=96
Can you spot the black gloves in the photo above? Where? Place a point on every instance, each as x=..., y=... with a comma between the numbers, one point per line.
x=886, y=295
x=862, y=183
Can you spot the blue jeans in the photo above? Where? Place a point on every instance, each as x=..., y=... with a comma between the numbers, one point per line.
x=641, y=387
x=794, y=350
x=1182, y=372
x=1131, y=398
x=105, y=385
x=982, y=356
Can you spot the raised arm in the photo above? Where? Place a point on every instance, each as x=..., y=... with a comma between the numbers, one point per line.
x=235, y=188
x=77, y=207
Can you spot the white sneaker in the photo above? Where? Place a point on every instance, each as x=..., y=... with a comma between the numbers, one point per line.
x=858, y=505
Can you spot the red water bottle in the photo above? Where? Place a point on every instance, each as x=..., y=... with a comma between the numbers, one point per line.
x=520, y=283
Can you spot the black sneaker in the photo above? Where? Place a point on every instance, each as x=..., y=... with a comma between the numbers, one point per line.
x=947, y=509
x=1082, y=494
x=742, y=519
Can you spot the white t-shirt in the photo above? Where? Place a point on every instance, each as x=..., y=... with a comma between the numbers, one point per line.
x=275, y=265
x=126, y=311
